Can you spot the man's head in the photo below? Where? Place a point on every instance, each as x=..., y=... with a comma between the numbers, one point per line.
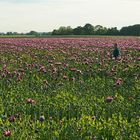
x=115, y=45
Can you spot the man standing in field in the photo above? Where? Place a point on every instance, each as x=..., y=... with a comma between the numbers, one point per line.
x=116, y=51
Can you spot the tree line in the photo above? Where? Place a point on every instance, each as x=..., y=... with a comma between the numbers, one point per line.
x=89, y=29
x=31, y=33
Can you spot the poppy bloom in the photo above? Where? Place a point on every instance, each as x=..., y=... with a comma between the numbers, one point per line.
x=7, y=133
x=109, y=99
x=42, y=118
x=12, y=118
x=51, y=118
x=72, y=79
x=79, y=71
x=30, y=101
x=65, y=77
x=138, y=59
x=73, y=69
x=119, y=81
x=58, y=63
x=4, y=67
x=45, y=82
x=43, y=69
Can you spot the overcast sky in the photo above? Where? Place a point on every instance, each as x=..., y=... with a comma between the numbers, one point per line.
x=46, y=15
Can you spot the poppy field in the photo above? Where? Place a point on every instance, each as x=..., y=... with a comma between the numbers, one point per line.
x=69, y=89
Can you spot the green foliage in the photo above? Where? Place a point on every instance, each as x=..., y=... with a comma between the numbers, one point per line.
x=63, y=31
x=74, y=106
x=89, y=29
x=131, y=30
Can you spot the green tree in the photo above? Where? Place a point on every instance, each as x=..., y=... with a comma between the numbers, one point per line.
x=78, y=31
x=113, y=31
x=63, y=31
x=33, y=33
x=9, y=33
x=131, y=30
x=88, y=29
x=100, y=30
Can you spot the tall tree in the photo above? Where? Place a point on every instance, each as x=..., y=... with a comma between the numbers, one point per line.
x=78, y=30
x=88, y=29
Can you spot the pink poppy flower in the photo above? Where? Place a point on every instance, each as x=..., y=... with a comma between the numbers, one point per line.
x=7, y=133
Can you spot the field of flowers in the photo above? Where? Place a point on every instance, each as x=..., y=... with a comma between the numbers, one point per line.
x=69, y=89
